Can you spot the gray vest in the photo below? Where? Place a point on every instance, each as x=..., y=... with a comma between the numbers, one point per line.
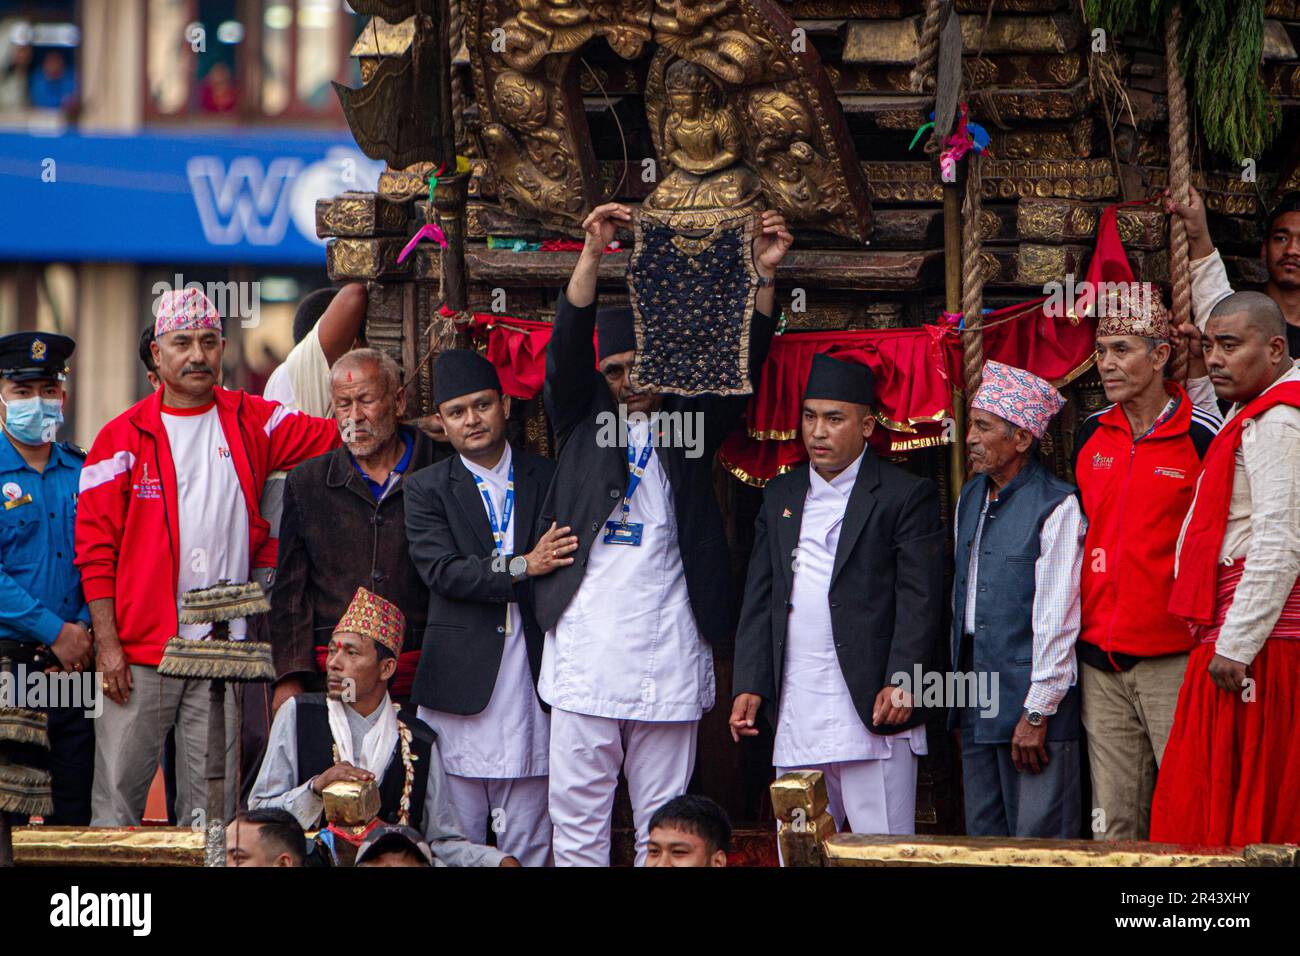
x=1004, y=630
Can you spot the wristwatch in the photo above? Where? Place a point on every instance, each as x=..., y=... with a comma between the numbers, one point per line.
x=518, y=568
x=1034, y=717
x=765, y=283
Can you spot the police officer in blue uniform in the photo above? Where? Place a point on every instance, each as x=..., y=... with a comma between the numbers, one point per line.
x=44, y=620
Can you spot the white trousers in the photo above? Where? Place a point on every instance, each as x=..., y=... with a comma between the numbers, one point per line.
x=514, y=809
x=586, y=753
x=875, y=796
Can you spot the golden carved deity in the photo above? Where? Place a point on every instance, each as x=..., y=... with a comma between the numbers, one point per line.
x=702, y=146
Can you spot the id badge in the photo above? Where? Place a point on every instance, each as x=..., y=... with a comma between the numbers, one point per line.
x=618, y=533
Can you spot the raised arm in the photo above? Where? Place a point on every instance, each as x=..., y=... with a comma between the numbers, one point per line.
x=571, y=355
x=1209, y=278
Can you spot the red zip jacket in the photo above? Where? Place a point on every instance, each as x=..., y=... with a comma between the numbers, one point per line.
x=127, y=506
x=1135, y=495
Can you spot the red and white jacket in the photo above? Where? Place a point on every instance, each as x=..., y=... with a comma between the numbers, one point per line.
x=1135, y=494
x=127, y=529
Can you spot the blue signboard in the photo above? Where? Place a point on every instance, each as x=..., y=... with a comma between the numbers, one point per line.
x=238, y=197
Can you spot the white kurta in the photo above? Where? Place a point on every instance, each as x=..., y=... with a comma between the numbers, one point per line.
x=818, y=723
x=627, y=646
x=510, y=737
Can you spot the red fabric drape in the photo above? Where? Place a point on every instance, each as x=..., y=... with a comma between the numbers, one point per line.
x=909, y=380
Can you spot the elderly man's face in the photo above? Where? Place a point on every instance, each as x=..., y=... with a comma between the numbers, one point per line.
x=993, y=443
x=189, y=361
x=366, y=408
x=1127, y=367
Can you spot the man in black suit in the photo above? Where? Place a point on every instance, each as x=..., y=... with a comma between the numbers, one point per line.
x=845, y=591
x=627, y=666
x=469, y=522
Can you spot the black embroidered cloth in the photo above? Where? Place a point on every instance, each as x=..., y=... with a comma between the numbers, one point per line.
x=692, y=292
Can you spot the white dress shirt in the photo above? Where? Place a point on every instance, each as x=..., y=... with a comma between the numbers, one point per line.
x=818, y=723
x=510, y=737
x=627, y=646
x=1056, y=602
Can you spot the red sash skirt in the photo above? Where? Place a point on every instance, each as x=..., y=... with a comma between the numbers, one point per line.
x=1231, y=771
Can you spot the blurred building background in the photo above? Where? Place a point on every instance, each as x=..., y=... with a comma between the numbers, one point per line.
x=149, y=144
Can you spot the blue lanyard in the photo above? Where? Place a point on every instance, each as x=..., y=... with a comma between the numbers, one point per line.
x=635, y=469
x=498, y=532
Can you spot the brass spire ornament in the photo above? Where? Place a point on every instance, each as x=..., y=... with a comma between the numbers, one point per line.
x=218, y=659
x=24, y=737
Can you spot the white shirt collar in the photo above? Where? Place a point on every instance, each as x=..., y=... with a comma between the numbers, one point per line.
x=841, y=485
x=498, y=474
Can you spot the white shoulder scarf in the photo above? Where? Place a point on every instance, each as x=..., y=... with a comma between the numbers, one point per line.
x=378, y=744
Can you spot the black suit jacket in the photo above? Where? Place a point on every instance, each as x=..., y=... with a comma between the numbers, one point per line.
x=590, y=479
x=450, y=543
x=886, y=595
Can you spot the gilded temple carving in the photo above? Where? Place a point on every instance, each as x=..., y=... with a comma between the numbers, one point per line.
x=734, y=110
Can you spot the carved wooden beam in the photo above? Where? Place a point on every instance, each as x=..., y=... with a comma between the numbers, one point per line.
x=869, y=270
x=1061, y=220
x=898, y=41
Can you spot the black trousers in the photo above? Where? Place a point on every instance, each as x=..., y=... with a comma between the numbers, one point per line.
x=71, y=762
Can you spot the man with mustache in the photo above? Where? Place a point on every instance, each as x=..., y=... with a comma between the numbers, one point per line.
x=1279, y=251
x=1016, y=614
x=1230, y=774
x=344, y=526
x=627, y=665
x=169, y=502
x=354, y=731
x=1136, y=464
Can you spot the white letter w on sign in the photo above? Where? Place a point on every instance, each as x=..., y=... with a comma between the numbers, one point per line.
x=244, y=203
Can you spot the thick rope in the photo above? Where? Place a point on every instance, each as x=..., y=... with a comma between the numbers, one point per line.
x=456, y=37
x=972, y=279
x=927, y=60
x=1180, y=170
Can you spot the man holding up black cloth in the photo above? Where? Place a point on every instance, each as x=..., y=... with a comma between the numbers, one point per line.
x=627, y=666
x=469, y=521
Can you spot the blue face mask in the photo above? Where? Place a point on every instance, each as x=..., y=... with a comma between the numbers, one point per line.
x=33, y=421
